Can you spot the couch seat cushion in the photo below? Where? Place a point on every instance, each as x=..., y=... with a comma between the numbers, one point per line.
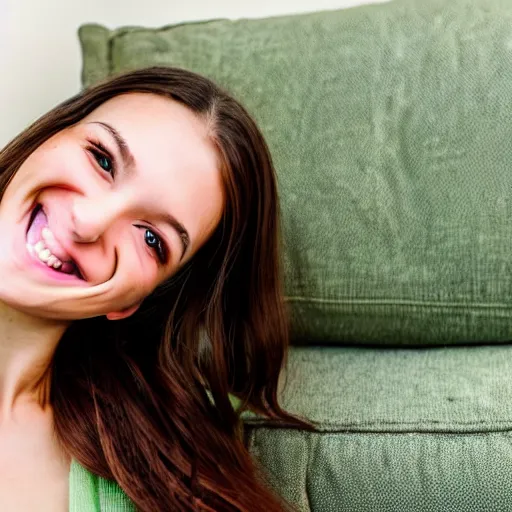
x=416, y=430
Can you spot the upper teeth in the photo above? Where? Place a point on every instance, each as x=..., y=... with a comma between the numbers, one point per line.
x=43, y=253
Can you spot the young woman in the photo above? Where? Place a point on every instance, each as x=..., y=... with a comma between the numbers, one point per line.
x=139, y=289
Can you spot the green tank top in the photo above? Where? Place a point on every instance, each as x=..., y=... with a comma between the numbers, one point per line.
x=91, y=493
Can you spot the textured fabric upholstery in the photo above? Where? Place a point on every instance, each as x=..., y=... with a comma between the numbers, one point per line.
x=399, y=430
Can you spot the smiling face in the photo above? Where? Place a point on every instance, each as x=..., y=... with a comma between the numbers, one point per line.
x=106, y=210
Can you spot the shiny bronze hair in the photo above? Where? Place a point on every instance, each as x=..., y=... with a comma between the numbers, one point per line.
x=145, y=401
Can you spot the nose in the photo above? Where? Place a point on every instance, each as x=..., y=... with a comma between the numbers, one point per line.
x=90, y=218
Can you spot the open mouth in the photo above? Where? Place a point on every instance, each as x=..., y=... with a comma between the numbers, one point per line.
x=42, y=246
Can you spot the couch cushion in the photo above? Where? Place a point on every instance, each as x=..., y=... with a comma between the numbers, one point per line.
x=425, y=430
x=390, y=128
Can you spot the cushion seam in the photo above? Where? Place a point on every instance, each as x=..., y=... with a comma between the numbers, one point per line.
x=394, y=302
x=363, y=427
x=122, y=31
x=391, y=432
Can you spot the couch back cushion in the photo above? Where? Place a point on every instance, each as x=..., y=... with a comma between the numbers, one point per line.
x=390, y=127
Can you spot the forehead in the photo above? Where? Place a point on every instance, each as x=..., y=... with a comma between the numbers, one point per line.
x=175, y=161
x=152, y=115
x=158, y=126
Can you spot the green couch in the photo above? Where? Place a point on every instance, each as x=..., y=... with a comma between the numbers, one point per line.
x=391, y=130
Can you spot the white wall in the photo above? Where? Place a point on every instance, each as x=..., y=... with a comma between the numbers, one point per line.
x=40, y=61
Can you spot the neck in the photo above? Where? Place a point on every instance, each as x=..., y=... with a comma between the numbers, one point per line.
x=27, y=346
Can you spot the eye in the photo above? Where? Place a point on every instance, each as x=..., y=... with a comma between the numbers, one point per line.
x=156, y=243
x=102, y=157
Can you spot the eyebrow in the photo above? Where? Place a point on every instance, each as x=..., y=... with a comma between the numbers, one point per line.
x=122, y=146
x=128, y=163
x=180, y=228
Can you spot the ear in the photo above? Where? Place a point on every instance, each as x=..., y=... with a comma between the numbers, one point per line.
x=125, y=313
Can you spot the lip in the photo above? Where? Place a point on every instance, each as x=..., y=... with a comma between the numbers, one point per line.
x=32, y=261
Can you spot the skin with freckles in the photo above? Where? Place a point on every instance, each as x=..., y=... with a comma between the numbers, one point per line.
x=100, y=207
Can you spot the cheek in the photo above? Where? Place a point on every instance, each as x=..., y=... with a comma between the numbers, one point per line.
x=138, y=282
x=50, y=164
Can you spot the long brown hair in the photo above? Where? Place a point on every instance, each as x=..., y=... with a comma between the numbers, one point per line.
x=145, y=401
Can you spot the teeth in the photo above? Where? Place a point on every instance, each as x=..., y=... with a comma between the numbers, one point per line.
x=52, y=260
x=47, y=236
x=44, y=254
x=39, y=246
